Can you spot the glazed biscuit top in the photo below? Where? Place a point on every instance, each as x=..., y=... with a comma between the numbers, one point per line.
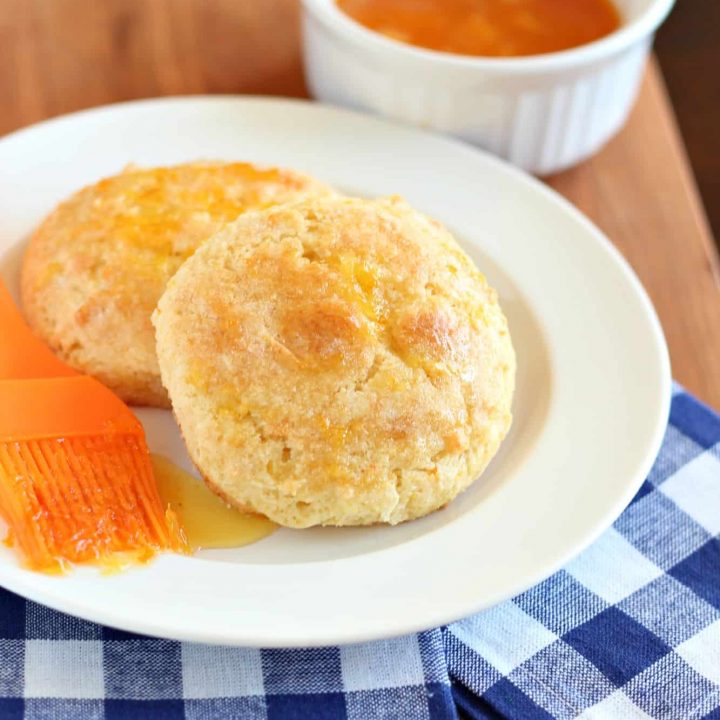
x=323, y=349
x=97, y=266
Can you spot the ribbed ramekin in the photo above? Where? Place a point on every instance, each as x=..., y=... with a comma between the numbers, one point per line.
x=543, y=113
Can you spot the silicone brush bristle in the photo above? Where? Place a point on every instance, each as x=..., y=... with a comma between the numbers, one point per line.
x=76, y=482
x=83, y=499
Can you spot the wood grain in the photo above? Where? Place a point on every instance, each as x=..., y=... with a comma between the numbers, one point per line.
x=57, y=56
x=687, y=48
x=640, y=191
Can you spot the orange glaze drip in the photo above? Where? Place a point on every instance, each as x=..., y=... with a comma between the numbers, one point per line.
x=495, y=28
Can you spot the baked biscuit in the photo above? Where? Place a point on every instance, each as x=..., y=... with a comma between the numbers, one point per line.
x=96, y=267
x=336, y=362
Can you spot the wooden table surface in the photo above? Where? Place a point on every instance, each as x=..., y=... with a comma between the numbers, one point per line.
x=57, y=56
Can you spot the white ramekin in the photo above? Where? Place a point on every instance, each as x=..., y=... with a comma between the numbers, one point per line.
x=543, y=113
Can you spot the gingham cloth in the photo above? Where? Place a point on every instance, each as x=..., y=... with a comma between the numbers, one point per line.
x=630, y=629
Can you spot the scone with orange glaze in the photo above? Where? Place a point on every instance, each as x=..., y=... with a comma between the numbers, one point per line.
x=96, y=267
x=336, y=362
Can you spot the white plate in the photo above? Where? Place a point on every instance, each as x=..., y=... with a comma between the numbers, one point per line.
x=591, y=405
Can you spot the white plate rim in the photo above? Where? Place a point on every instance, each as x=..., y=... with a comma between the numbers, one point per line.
x=26, y=583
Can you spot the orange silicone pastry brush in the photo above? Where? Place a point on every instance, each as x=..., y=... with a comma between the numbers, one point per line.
x=76, y=483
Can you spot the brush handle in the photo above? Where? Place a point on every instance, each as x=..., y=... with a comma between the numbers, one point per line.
x=22, y=354
x=64, y=407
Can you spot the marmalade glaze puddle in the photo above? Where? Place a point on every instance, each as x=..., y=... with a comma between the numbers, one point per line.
x=207, y=521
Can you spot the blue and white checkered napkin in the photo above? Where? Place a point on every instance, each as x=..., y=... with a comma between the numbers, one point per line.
x=630, y=629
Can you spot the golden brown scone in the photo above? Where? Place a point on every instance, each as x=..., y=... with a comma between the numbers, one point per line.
x=336, y=362
x=96, y=267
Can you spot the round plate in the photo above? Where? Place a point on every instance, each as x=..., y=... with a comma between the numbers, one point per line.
x=591, y=404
